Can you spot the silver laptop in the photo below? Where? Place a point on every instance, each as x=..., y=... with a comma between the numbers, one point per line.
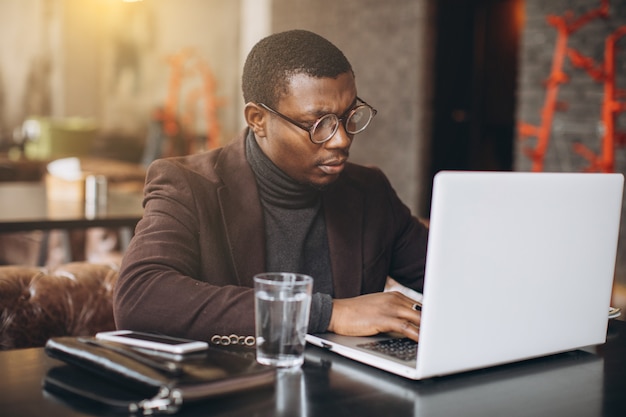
x=519, y=265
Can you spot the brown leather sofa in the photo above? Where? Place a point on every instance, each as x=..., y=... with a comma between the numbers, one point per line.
x=74, y=299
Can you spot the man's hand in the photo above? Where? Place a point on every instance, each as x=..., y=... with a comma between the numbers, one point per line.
x=371, y=314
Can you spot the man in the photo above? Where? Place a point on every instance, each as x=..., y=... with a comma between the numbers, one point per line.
x=280, y=197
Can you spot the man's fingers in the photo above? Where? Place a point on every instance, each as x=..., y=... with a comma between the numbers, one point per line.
x=410, y=330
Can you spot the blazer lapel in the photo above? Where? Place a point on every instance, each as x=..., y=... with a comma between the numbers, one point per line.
x=343, y=210
x=241, y=213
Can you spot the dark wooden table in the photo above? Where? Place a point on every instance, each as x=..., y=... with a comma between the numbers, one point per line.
x=24, y=206
x=589, y=382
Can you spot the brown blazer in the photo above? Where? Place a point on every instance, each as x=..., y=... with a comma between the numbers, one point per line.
x=188, y=270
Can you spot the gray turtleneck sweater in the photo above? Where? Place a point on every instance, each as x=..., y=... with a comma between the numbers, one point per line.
x=295, y=231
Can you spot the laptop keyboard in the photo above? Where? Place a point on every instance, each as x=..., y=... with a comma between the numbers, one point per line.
x=404, y=349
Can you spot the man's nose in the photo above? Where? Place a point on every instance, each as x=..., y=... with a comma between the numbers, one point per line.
x=341, y=138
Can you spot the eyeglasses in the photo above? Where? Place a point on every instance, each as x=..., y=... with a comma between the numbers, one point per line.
x=355, y=120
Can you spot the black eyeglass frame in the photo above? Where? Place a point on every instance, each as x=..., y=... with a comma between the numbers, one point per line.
x=340, y=119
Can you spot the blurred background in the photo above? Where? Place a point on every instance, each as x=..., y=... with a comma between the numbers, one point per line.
x=526, y=85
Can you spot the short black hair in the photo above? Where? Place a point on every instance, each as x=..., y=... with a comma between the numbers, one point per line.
x=275, y=59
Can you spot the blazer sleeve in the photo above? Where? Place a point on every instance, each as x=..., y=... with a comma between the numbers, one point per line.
x=175, y=276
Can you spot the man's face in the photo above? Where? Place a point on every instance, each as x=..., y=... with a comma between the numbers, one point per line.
x=289, y=147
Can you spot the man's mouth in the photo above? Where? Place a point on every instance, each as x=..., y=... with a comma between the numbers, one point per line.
x=333, y=167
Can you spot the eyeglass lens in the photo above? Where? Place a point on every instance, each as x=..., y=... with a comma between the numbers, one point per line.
x=355, y=122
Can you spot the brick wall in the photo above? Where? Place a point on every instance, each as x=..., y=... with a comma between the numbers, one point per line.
x=578, y=119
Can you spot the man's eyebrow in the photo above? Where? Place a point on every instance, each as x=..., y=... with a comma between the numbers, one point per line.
x=321, y=113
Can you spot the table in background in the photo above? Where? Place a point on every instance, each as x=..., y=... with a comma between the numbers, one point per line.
x=25, y=206
x=589, y=382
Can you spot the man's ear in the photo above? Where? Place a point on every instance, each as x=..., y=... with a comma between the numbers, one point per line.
x=256, y=118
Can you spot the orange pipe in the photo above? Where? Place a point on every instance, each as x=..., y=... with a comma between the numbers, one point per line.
x=565, y=26
x=605, y=161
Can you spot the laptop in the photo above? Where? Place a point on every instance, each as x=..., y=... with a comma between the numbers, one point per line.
x=519, y=266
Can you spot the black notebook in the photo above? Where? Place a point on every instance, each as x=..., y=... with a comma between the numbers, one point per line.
x=129, y=380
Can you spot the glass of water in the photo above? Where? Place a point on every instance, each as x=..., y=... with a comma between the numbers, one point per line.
x=282, y=304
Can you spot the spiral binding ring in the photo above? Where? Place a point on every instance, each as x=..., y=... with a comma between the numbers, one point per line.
x=233, y=339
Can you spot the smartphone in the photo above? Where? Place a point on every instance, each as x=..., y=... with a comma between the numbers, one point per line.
x=154, y=341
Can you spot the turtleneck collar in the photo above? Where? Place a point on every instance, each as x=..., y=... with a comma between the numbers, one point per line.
x=276, y=187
